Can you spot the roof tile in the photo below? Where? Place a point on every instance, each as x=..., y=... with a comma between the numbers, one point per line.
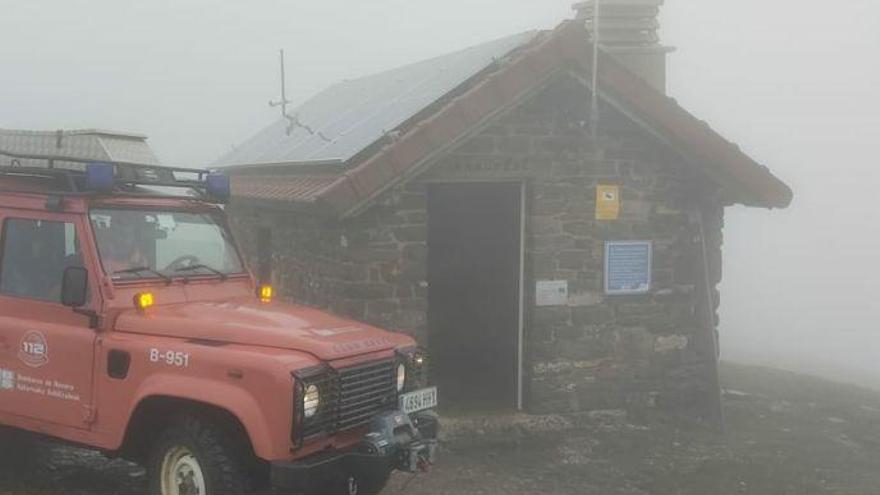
x=340, y=196
x=447, y=126
x=280, y=188
x=371, y=176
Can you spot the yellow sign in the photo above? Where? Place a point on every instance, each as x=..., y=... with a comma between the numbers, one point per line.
x=607, y=202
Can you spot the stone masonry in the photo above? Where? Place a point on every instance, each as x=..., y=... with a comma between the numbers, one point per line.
x=596, y=352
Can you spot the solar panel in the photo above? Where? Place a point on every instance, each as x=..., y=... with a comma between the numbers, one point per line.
x=348, y=117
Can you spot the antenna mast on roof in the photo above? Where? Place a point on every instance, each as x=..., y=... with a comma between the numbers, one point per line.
x=594, y=101
x=283, y=102
x=292, y=120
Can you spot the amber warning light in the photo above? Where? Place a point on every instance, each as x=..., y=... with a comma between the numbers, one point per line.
x=143, y=300
x=265, y=292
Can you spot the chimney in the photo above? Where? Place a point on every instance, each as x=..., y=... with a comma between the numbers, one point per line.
x=628, y=30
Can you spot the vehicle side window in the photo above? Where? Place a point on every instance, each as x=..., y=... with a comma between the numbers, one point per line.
x=34, y=256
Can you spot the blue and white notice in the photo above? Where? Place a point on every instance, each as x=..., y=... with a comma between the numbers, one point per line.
x=628, y=267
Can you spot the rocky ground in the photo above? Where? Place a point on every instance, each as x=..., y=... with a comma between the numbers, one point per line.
x=786, y=434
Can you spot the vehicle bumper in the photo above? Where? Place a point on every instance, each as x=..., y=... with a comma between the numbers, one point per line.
x=395, y=441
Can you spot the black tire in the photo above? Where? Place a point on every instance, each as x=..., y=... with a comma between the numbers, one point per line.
x=17, y=449
x=222, y=459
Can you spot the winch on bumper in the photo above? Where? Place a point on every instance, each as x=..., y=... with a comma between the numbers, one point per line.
x=396, y=441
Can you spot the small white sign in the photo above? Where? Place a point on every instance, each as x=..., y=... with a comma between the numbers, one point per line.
x=551, y=292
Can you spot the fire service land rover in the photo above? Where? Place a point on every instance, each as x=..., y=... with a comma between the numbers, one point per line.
x=130, y=324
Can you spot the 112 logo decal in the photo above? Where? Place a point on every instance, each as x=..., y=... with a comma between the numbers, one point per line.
x=33, y=350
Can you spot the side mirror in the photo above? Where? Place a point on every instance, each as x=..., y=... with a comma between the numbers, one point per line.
x=75, y=287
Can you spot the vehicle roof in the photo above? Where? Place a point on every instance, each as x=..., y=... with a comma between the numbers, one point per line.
x=31, y=192
x=37, y=201
x=129, y=184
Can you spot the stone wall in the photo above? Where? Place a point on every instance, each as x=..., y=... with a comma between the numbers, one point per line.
x=596, y=352
x=371, y=268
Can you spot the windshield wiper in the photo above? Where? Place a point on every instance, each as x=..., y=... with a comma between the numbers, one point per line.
x=223, y=276
x=140, y=269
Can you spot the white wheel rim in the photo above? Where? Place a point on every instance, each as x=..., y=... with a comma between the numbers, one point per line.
x=181, y=473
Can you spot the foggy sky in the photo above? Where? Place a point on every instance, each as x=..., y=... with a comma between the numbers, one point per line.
x=794, y=82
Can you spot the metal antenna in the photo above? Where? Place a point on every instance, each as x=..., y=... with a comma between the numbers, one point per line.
x=284, y=101
x=594, y=101
x=292, y=120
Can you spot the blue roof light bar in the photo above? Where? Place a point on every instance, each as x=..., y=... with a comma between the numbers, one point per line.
x=100, y=177
x=217, y=186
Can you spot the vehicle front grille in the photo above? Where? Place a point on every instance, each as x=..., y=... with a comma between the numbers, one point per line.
x=364, y=392
x=350, y=397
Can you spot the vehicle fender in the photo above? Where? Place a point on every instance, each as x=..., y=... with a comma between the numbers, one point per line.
x=233, y=399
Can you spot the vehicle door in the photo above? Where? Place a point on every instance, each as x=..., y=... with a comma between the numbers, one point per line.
x=46, y=350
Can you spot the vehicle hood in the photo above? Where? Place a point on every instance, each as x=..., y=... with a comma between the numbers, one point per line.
x=250, y=322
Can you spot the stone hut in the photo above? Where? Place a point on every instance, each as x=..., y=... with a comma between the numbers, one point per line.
x=553, y=255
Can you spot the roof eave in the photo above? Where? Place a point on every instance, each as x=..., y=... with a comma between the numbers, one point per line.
x=457, y=119
x=772, y=192
x=749, y=182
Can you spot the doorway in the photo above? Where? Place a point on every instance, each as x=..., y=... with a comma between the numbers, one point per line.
x=475, y=293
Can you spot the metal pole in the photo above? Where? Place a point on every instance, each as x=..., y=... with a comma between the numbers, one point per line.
x=717, y=393
x=283, y=85
x=520, y=354
x=283, y=102
x=594, y=102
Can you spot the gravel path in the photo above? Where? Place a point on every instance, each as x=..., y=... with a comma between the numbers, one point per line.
x=786, y=435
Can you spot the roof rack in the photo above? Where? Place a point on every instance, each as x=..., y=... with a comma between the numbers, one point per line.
x=123, y=179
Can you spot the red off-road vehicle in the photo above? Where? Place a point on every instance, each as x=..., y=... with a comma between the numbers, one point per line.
x=129, y=323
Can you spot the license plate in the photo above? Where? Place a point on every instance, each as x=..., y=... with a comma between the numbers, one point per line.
x=419, y=400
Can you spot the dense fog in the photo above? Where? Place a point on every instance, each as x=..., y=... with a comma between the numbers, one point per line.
x=794, y=83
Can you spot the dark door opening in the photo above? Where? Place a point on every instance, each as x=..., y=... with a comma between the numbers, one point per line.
x=474, y=258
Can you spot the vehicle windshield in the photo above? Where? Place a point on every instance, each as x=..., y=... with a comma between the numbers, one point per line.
x=137, y=243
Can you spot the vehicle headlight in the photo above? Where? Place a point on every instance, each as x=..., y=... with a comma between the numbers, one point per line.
x=311, y=401
x=401, y=377
x=412, y=368
x=419, y=359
